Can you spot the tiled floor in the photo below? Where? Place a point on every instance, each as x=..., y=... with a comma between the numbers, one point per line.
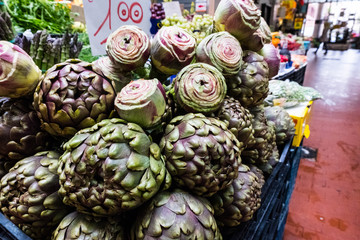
x=326, y=201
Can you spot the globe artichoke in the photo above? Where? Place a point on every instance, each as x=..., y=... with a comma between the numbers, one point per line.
x=20, y=133
x=28, y=195
x=128, y=47
x=5, y=167
x=238, y=202
x=284, y=125
x=259, y=38
x=81, y=226
x=71, y=96
x=142, y=102
x=176, y=215
x=272, y=58
x=199, y=87
x=251, y=85
x=105, y=67
x=19, y=75
x=257, y=171
x=110, y=168
x=202, y=155
x=172, y=49
x=239, y=121
x=238, y=17
x=222, y=51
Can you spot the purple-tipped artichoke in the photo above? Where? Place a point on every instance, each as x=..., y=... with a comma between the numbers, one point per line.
x=202, y=155
x=29, y=197
x=20, y=132
x=272, y=58
x=172, y=49
x=18, y=73
x=200, y=87
x=222, y=51
x=251, y=85
x=176, y=215
x=259, y=38
x=110, y=168
x=238, y=202
x=241, y=18
x=71, y=96
x=257, y=171
x=142, y=102
x=128, y=47
x=81, y=226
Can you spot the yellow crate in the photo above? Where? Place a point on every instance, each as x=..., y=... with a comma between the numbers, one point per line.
x=301, y=117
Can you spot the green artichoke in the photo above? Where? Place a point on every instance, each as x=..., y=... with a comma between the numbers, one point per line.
x=284, y=125
x=110, y=168
x=202, y=155
x=259, y=38
x=172, y=49
x=176, y=215
x=5, y=167
x=222, y=51
x=257, y=171
x=142, y=102
x=241, y=18
x=238, y=202
x=29, y=197
x=81, y=226
x=128, y=47
x=71, y=96
x=239, y=121
x=19, y=74
x=199, y=87
x=20, y=133
x=251, y=85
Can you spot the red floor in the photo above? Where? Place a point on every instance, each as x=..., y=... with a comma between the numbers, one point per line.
x=326, y=200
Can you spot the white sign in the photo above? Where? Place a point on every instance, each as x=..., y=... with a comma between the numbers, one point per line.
x=200, y=6
x=105, y=16
x=171, y=8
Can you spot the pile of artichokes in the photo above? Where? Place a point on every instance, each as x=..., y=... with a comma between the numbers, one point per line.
x=109, y=150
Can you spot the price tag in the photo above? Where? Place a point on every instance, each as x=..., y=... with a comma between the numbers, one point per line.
x=105, y=16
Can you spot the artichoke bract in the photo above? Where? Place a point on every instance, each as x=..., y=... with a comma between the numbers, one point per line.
x=71, y=96
x=29, y=197
x=176, y=215
x=81, y=226
x=222, y=51
x=110, y=168
x=272, y=57
x=19, y=75
x=142, y=102
x=128, y=47
x=251, y=85
x=259, y=38
x=20, y=132
x=241, y=18
x=104, y=66
x=199, y=87
x=239, y=121
x=202, y=155
x=238, y=202
x=172, y=49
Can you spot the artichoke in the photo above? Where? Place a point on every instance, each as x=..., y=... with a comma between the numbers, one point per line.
x=257, y=171
x=20, y=133
x=222, y=51
x=284, y=125
x=238, y=202
x=29, y=197
x=105, y=67
x=110, y=168
x=81, y=226
x=239, y=121
x=202, y=155
x=128, y=47
x=272, y=57
x=199, y=87
x=71, y=96
x=176, y=215
x=142, y=102
x=251, y=85
x=259, y=38
x=238, y=17
x=19, y=74
x=172, y=49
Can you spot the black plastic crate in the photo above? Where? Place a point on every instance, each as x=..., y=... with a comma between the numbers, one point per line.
x=297, y=75
x=9, y=231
